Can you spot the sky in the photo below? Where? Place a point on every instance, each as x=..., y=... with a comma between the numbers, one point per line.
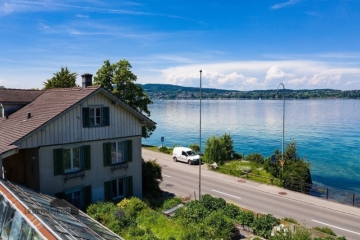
x=238, y=44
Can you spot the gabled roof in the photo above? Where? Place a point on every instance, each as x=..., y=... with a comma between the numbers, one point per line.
x=18, y=95
x=46, y=107
x=52, y=218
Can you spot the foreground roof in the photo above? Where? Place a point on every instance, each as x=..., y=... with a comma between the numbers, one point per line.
x=46, y=217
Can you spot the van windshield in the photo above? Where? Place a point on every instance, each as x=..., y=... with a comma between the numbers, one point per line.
x=191, y=153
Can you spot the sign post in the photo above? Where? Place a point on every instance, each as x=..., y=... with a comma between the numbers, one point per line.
x=162, y=141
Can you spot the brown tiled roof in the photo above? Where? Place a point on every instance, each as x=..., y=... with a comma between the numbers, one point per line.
x=19, y=95
x=44, y=108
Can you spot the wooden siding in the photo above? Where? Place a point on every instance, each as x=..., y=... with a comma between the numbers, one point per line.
x=68, y=128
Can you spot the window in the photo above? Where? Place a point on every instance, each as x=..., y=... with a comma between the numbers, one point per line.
x=72, y=159
x=74, y=197
x=118, y=188
x=96, y=116
x=117, y=152
x=79, y=197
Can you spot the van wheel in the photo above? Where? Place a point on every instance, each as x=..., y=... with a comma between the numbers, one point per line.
x=189, y=162
x=175, y=159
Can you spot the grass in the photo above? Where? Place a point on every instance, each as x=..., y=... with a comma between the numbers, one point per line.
x=237, y=168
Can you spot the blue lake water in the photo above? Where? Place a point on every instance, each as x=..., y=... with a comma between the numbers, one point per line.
x=327, y=131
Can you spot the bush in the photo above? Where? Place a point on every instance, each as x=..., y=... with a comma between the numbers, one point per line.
x=221, y=224
x=232, y=211
x=211, y=203
x=256, y=158
x=151, y=178
x=237, y=156
x=195, y=147
x=290, y=220
x=193, y=213
x=105, y=213
x=170, y=203
x=164, y=149
x=263, y=225
x=132, y=206
x=246, y=218
x=325, y=230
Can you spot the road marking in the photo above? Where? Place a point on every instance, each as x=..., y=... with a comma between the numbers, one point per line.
x=225, y=194
x=166, y=175
x=336, y=227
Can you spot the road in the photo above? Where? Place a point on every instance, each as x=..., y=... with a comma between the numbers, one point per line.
x=183, y=180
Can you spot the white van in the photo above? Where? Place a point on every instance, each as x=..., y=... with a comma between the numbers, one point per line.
x=184, y=154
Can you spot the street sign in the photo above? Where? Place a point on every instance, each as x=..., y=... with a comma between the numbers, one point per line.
x=282, y=163
x=273, y=159
x=162, y=139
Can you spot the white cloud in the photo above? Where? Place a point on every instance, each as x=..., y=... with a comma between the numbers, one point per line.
x=257, y=75
x=275, y=72
x=281, y=5
x=296, y=81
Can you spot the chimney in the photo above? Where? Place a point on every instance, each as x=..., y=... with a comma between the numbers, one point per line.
x=29, y=115
x=86, y=80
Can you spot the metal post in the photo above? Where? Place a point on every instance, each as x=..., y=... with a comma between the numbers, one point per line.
x=283, y=133
x=200, y=144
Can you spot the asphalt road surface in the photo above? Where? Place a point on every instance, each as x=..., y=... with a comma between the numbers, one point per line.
x=183, y=180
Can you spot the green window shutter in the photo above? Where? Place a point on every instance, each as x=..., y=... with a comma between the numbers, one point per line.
x=129, y=150
x=86, y=157
x=58, y=161
x=106, y=116
x=107, y=191
x=86, y=117
x=107, y=154
x=87, y=196
x=60, y=195
x=129, y=186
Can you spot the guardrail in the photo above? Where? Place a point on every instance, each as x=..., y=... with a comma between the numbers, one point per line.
x=332, y=194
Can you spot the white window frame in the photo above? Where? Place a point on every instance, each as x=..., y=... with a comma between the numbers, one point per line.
x=115, y=156
x=72, y=168
x=94, y=116
x=117, y=196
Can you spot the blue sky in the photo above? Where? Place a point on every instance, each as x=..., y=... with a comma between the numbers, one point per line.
x=240, y=45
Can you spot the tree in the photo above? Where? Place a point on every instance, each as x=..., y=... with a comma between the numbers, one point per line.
x=296, y=170
x=214, y=150
x=118, y=79
x=195, y=147
x=62, y=79
x=151, y=178
x=219, y=149
x=228, y=145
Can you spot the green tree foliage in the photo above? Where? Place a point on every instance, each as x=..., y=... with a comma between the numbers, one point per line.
x=228, y=145
x=296, y=170
x=118, y=79
x=256, y=158
x=151, y=178
x=264, y=224
x=195, y=147
x=219, y=149
x=62, y=79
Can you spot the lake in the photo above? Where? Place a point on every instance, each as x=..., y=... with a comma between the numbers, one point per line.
x=327, y=131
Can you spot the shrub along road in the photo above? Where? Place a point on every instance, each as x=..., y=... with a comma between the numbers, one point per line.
x=183, y=179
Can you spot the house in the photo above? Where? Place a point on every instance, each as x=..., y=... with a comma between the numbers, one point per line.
x=25, y=214
x=82, y=144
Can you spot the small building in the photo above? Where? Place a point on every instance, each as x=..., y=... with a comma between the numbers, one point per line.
x=81, y=144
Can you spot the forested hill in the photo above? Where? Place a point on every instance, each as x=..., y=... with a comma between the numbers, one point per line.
x=167, y=91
